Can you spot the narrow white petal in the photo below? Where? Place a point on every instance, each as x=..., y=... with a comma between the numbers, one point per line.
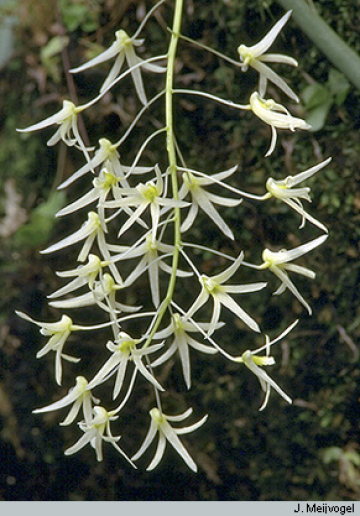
x=273, y=142
x=168, y=354
x=133, y=60
x=290, y=285
x=202, y=199
x=106, y=369
x=153, y=273
x=72, y=413
x=223, y=201
x=198, y=303
x=278, y=58
x=120, y=376
x=85, y=200
x=70, y=287
x=303, y=249
x=230, y=271
x=109, y=53
x=140, y=366
x=178, y=446
x=201, y=347
x=242, y=289
x=180, y=417
x=147, y=441
x=114, y=73
x=191, y=428
x=183, y=348
x=159, y=453
x=87, y=299
x=134, y=217
x=227, y=301
x=298, y=178
x=304, y=271
x=272, y=76
x=71, y=397
x=189, y=220
x=270, y=37
x=83, y=441
x=215, y=315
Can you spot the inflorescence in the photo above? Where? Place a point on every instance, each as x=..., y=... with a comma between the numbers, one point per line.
x=158, y=206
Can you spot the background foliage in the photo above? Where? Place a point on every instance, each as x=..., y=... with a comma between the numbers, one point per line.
x=307, y=451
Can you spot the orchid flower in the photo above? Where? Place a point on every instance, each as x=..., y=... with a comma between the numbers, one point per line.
x=142, y=196
x=68, y=132
x=275, y=115
x=107, y=156
x=160, y=424
x=102, y=294
x=78, y=396
x=84, y=274
x=255, y=363
x=152, y=262
x=291, y=196
x=279, y=263
x=123, y=48
x=97, y=430
x=123, y=351
x=58, y=333
x=90, y=231
x=179, y=328
x=205, y=200
x=256, y=58
x=87, y=232
x=213, y=287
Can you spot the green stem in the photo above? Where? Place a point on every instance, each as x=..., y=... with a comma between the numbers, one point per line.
x=173, y=167
x=323, y=36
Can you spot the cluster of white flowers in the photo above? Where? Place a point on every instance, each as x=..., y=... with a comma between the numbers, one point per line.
x=140, y=213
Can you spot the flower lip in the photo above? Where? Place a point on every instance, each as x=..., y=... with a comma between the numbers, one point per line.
x=276, y=116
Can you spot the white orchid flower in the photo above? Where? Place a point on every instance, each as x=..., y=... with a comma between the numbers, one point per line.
x=213, y=287
x=58, y=333
x=103, y=294
x=108, y=157
x=123, y=48
x=84, y=274
x=142, y=196
x=97, y=430
x=68, y=132
x=123, y=351
x=284, y=191
x=160, y=424
x=87, y=232
x=255, y=57
x=255, y=363
x=78, y=396
x=152, y=262
x=205, y=200
x=279, y=263
x=179, y=328
x=276, y=116
x=91, y=230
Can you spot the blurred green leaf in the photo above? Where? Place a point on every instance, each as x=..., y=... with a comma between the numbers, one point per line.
x=331, y=454
x=319, y=98
x=50, y=56
x=42, y=221
x=338, y=85
x=81, y=14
